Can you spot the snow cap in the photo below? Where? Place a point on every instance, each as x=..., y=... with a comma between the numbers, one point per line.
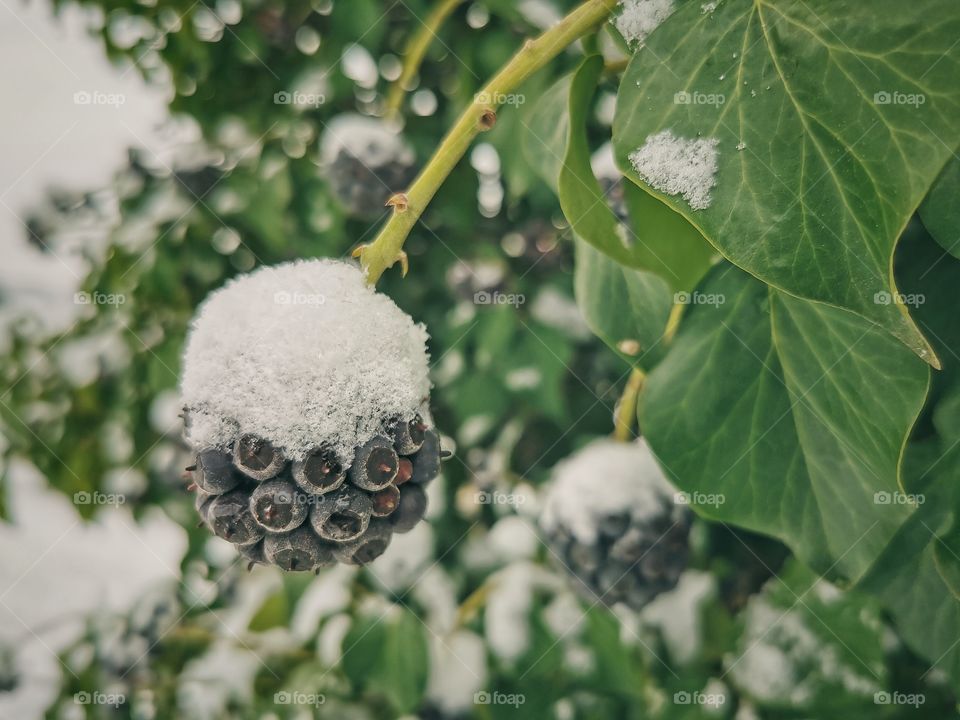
x=368, y=139
x=604, y=479
x=638, y=18
x=301, y=354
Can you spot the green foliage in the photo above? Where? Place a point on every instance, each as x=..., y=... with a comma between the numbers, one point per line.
x=825, y=149
x=786, y=390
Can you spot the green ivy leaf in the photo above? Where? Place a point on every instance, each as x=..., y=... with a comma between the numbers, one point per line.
x=628, y=309
x=940, y=210
x=770, y=403
x=275, y=612
x=546, y=126
x=831, y=120
x=914, y=575
x=658, y=240
x=389, y=656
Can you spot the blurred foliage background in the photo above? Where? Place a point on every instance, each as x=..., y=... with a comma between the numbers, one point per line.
x=468, y=612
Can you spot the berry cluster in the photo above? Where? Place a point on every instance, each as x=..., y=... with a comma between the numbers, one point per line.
x=613, y=522
x=365, y=163
x=312, y=513
x=630, y=562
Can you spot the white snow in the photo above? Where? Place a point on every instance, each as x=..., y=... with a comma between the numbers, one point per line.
x=509, y=603
x=784, y=659
x=51, y=140
x=368, y=139
x=458, y=669
x=512, y=538
x=638, y=18
x=677, y=614
x=603, y=164
x=221, y=677
x=525, y=378
x=678, y=166
x=556, y=310
x=330, y=639
x=436, y=592
x=604, y=478
x=327, y=595
x=405, y=560
x=301, y=354
x=56, y=570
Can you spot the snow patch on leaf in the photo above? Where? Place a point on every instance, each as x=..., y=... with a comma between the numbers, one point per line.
x=678, y=166
x=301, y=354
x=638, y=18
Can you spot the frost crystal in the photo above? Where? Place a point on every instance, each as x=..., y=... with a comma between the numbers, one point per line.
x=638, y=18
x=301, y=354
x=603, y=479
x=678, y=166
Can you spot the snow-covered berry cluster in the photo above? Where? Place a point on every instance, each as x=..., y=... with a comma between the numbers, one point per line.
x=365, y=162
x=305, y=396
x=613, y=521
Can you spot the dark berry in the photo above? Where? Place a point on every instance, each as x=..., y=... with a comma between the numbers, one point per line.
x=299, y=550
x=633, y=559
x=214, y=472
x=201, y=502
x=368, y=547
x=363, y=185
x=253, y=554
x=426, y=463
x=411, y=509
x=408, y=435
x=404, y=471
x=385, y=501
x=320, y=472
x=229, y=517
x=375, y=464
x=342, y=515
x=257, y=458
x=278, y=505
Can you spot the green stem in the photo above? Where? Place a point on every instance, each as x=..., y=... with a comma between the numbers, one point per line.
x=414, y=52
x=627, y=408
x=479, y=116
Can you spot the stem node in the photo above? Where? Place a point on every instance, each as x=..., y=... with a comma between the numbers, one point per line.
x=488, y=119
x=399, y=202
